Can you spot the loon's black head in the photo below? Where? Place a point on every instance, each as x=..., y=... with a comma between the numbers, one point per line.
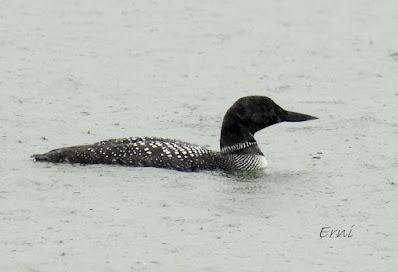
x=252, y=113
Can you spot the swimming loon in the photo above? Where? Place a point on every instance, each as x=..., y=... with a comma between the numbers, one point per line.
x=238, y=148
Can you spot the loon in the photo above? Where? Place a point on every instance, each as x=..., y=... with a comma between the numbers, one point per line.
x=238, y=148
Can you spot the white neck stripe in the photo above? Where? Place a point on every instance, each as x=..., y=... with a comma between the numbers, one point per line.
x=237, y=146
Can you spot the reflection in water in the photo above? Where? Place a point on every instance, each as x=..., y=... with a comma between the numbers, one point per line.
x=262, y=175
x=246, y=176
x=262, y=182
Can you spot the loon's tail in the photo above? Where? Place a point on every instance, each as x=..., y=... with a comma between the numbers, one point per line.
x=73, y=154
x=40, y=157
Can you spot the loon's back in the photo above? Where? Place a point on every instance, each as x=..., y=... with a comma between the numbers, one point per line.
x=138, y=152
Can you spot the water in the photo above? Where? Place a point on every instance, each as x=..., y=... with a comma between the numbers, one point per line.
x=75, y=73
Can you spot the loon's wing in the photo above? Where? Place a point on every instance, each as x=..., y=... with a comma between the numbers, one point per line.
x=144, y=152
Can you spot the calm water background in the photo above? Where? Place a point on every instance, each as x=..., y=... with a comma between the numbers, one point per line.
x=74, y=72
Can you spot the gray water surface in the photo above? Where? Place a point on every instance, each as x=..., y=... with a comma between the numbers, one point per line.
x=75, y=72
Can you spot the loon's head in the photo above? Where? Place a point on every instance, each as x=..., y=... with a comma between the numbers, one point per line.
x=252, y=113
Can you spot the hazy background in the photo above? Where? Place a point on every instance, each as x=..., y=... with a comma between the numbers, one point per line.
x=74, y=72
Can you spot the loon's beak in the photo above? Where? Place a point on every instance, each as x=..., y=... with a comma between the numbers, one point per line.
x=297, y=117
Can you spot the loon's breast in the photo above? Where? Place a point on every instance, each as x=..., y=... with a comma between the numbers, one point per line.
x=245, y=162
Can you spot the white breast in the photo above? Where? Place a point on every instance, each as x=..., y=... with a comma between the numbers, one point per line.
x=263, y=162
x=248, y=162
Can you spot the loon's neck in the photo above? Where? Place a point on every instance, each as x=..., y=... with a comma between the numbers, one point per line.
x=237, y=136
x=245, y=148
x=237, y=139
x=234, y=134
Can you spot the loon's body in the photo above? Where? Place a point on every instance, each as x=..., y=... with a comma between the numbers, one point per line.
x=238, y=148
